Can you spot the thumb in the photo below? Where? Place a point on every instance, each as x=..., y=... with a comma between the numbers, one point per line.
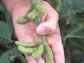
x=49, y=26
x=46, y=27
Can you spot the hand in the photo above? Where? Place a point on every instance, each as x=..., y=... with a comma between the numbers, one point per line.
x=49, y=26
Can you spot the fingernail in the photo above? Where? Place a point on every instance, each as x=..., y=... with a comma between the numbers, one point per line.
x=41, y=30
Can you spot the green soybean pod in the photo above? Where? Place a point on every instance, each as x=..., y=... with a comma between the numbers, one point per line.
x=21, y=20
x=38, y=52
x=26, y=50
x=27, y=44
x=32, y=15
x=49, y=53
x=40, y=8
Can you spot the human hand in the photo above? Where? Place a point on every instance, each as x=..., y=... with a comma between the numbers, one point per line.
x=28, y=33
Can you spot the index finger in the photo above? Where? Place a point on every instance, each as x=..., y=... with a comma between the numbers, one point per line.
x=54, y=40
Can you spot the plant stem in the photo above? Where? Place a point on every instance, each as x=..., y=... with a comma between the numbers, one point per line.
x=38, y=17
x=43, y=36
x=36, y=23
x=44, y=40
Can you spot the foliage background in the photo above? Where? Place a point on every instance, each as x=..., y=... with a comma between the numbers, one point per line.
x=71, y=25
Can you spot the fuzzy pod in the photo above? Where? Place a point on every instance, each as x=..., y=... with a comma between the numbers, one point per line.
x=40, y=8
x=27, y=44
x=49, y=53
x=26, y=50
x=33, y=14
x=21, y=20
x=38, y=52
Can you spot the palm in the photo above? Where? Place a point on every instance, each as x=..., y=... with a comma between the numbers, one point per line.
x=27, y=32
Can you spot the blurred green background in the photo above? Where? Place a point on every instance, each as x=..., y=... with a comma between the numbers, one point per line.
x=71, y=23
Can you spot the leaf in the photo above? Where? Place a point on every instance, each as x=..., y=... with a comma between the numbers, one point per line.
x=9, y=22
x=76, y=43
x=8, y=18
x=58, y=6
x=64, y=11
x=78, y=57
x=78, y=5
x=78, y=32
x=4, y=58
x=4, y=31
x=7, y=56
x=4, y=41
x=2, y=8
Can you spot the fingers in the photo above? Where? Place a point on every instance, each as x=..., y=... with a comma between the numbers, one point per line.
x=51, y=19
x=56, y=44
x=30, y=59
x=27, y=38
x=58, y=52
x=53, y=62
x=45, y=28
x=40, y=60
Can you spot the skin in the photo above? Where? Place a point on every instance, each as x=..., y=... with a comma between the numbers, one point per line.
x=27, y=32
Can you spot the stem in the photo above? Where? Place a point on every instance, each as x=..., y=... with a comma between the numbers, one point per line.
x=43, y=36
x=44, y=55
x=44, y=40
x=33, y=3
x=38, y=17
x=28, y=12
x=36, y=23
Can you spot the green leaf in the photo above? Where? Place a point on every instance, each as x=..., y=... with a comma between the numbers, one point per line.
x=4, y=58
x=78, y=33
x=2, y=8
x=8, y=18
x=78, y=57
x=4, y=41
x=76, y=43
x=78, y=5
x=58, y=6
x=75, y=32
x=4, y=31
x=7, y=56
x=64, y=11
x=10, y=23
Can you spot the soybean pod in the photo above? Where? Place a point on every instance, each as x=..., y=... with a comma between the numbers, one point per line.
x=21, y=20
x=27, y=44
x=40, y=8
x=49, y=53
x=39, y=52
x=32, y=15
x=26, y=50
